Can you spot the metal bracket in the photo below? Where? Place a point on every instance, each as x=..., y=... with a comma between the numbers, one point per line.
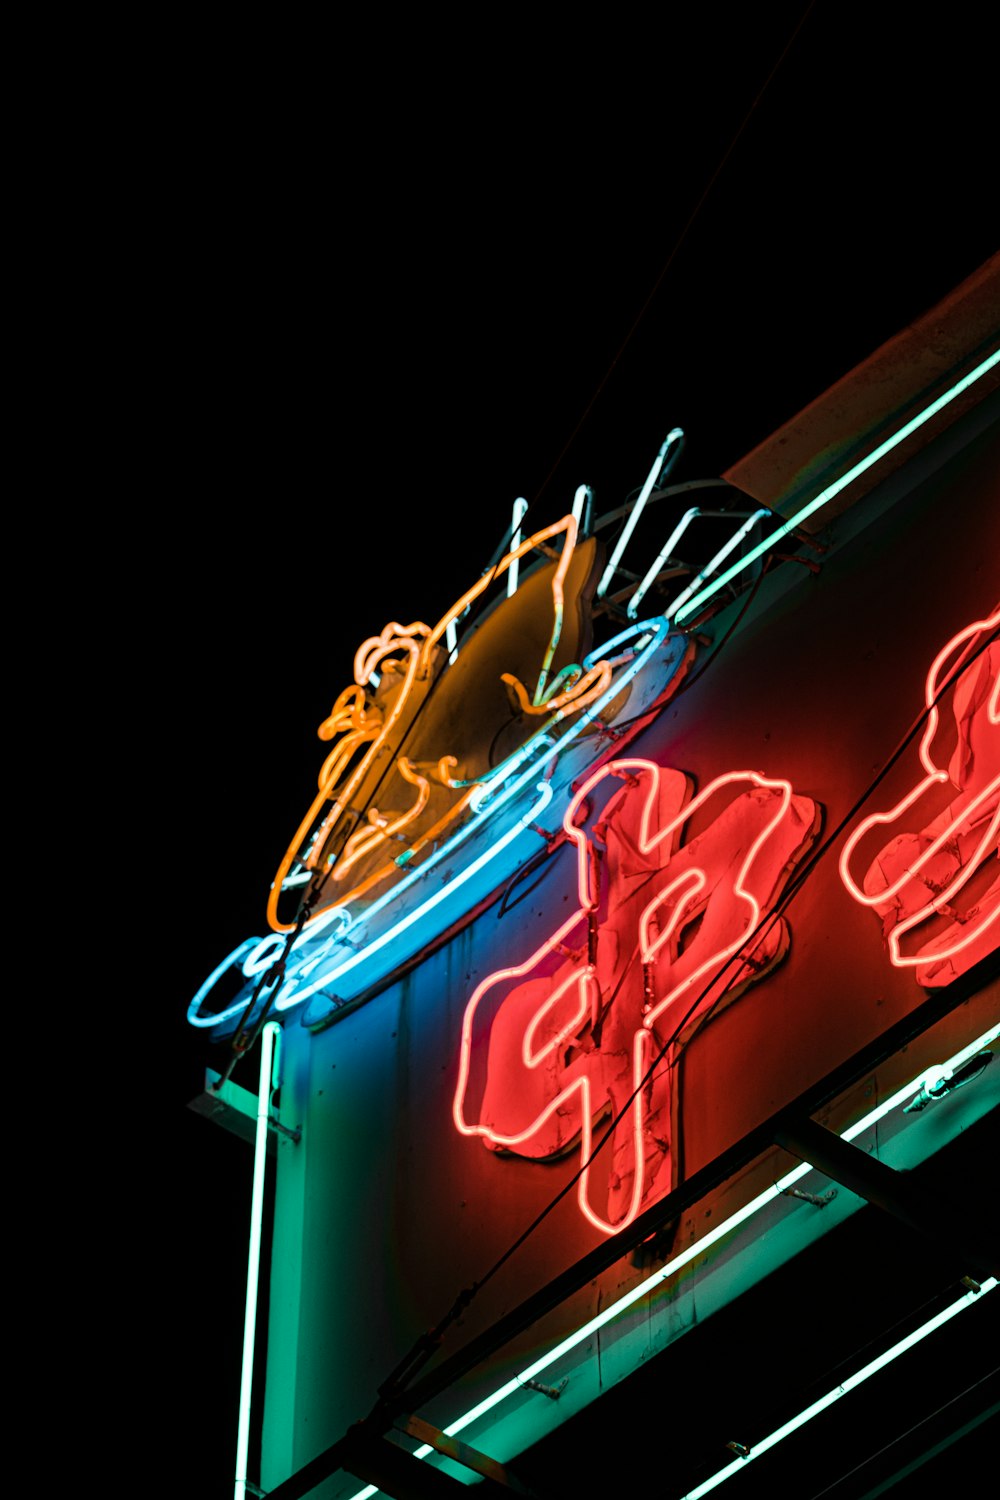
x=955, y=1225
x=552, y=1391
x=230, y=1105
x=819, y=1199
x=462, y=1453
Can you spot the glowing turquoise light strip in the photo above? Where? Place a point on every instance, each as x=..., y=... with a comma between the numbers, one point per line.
x=520, y=511
x=491, y=794
x=840, y=484
x=674, y=436
x=850, y=1384
x=290, y=996
x=268, y=1057
x=643, y=1288
x=662, y=557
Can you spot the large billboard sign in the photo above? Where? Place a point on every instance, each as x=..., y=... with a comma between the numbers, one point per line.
x=605, y=869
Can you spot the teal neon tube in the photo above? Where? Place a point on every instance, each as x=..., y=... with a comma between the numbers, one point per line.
x=674, y=436
x=827, y=495
x=268, y=1065
x=643, y=1288
x=850, y=1384
x=520, y=510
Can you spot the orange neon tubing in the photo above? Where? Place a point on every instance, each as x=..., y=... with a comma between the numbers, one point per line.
x=349, y=711
x=367, y=658
x=380, y=829
x=377, y=647
x=330, y=773
x=418, y=641
x=589, y=686
x=391, y=867
x=568, y=524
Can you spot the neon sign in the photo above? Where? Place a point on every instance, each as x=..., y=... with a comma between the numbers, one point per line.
x=433, y=803
x=663, y=934
x=352, y=948
x=643, y=1288
x=425, y=796
x=929, y=887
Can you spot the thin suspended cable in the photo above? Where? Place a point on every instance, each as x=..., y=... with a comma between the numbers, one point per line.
x=676, y=248
x=915, y=1460
x=279, y=964
x=426, y=1346
x=492, y=567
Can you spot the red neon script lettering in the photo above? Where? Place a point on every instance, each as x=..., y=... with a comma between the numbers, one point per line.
x=662, y=936
x=932, y=888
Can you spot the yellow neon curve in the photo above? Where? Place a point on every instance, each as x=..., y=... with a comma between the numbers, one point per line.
x=370, y=654
x=583, y=688
x=411, y=648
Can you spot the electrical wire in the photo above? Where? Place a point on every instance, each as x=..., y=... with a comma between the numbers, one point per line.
x=685, y=231
x=505, y=543
x=962, y=1396
x=429, y=1342
x=614, y=731
x=539, y=858
x=644, y=309
x=246, y=1034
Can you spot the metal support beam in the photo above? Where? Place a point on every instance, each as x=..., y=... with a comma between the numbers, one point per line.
x=231, y=1106
x=411, y=1394
x=375, y=1459
x=894, y=1192
x=463, y=1453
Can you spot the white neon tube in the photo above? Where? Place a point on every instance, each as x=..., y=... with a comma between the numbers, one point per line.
x=520, y=510
x=268, y=1063
x=673, y=436
x=643, y=1288
x=287, y=995
x=840, y=484
x=671, y=611
x=664, y=553
x=850, y=1384
x=583, y=494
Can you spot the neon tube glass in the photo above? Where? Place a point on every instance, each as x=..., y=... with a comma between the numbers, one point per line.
x=643, y=1288
x=268, y=1060
x=841, y=484
x=520, y=509
x=850, y=1384
x=673, y=436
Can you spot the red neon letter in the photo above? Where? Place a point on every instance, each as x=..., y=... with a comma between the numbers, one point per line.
x=916, y=881
x=551, y=1044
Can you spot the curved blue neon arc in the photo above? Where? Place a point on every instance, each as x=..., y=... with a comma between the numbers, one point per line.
x=494, y=793
x=497, y=790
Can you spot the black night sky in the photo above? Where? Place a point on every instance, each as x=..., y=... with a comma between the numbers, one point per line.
x=380, y=286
